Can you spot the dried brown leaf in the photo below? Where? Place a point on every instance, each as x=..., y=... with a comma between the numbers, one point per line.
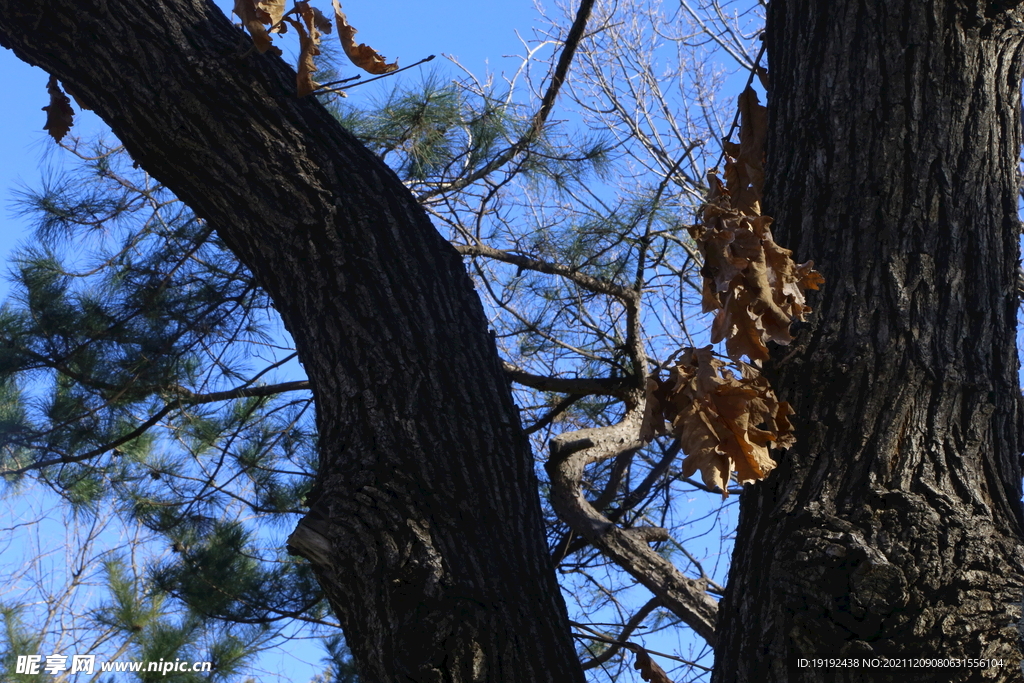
x=724, y=423
x=270, y=13
x=783, y=428
x=744, y=167
x=808, y=278
x=753, y=130
x=59, y=114
x=749, y=280
x=74, y=97
x=254, y=17
x=762, y=76
x=654, y=411
x=309, y=29
x=323, y=24
x=362, y=55
x=648, y=668
x=740, y=326
x=701, y=441
x=709, y=297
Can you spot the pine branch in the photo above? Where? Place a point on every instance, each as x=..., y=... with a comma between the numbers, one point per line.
x=572, y=41
x=191, y=398
x=182, y=396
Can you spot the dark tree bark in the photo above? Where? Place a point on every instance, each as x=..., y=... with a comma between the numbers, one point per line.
x=426, y=528
x=894, y=526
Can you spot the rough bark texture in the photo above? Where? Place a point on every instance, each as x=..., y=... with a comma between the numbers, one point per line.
x=894, y=526
x=426, y=530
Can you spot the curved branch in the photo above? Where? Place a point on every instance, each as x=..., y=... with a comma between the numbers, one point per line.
x=632, y=499
x=570, y=455
x=598, y=636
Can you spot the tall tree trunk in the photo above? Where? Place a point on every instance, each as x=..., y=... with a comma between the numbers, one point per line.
x=894, y=526
x=426, y=530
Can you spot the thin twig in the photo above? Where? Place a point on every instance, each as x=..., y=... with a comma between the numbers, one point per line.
x=183, y=396
x=627, y=630
x=750, y=79
x=572, y=41
x=324, y=86
x=597, y=635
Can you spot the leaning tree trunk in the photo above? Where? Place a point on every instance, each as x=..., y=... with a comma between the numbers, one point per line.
x=894, y=526
x=426, y=529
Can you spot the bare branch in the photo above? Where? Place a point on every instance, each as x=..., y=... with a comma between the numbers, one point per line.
x=603, y=386
x=586, y=281
x=550, y=416
x=572, y=41
x=627, y=630
x=571, y=453
x=597, y=635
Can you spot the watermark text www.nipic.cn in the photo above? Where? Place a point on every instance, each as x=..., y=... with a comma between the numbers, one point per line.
x=86, y=664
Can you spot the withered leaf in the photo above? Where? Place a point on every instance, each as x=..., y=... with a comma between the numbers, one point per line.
x=254, y=15
x=654, y=411
x=59, y=114
x=648, y=668
x=762, y=75
x=270, y=13
x=753, y=129
x=748, y=168
x=323, y=24
x=362, y=55
x=724, y=423
x=309, y=28
x=740, y=327
x=74, y=97
x=751, y=282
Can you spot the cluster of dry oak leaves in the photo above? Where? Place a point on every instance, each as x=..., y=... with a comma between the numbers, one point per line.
x=724, y=421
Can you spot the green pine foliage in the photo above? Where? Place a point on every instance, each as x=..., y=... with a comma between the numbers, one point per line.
x=137, y=361
x=438, y=132
x=340, y=667
x=432, y=131
x=17, y=639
